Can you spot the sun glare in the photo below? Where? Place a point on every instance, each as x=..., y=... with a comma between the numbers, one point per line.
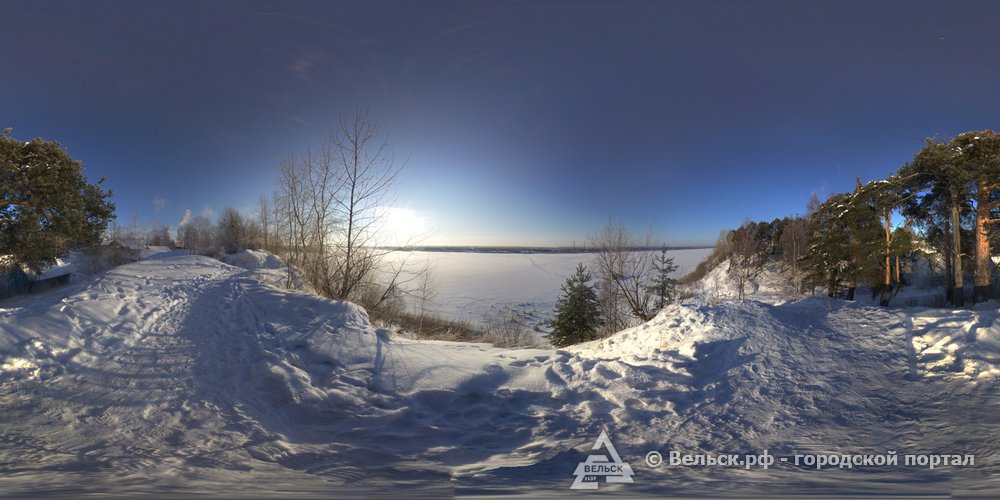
x=403, y=226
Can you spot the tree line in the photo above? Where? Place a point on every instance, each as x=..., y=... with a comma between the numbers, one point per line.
x=944, y=202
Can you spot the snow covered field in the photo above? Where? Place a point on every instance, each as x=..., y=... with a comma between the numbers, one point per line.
x=184, y=375
x=468, y=285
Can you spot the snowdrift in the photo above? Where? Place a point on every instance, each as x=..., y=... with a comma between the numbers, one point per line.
x=184, y=374
x=254, y=259
x=268, y=268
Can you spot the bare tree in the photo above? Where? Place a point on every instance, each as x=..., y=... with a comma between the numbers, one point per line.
x=265, y=219
x=113, y=232
x=613, y=310
x=424, y=294
x=329, y=210
x=793, y=244
x=234, y=231
x=199, y=236
x=746, y=262
x=322, y=191
x=625, y=263
x=136, y=235
x=291, y=199
x=366, y=170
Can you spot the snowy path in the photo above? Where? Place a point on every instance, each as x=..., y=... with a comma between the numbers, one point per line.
x=187, y=375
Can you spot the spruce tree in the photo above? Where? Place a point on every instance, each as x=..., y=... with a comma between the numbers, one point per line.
x=578, y=314
x=663, y=288
x=47, y=206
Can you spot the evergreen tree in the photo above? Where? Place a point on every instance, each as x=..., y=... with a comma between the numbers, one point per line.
x=47, y=206
x=663, y=287
x=938, y=184
x=980, y=158
x=882, y=198
x=843, y=243
x=578, y=313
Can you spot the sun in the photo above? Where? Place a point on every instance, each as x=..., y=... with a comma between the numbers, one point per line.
x=402, y=226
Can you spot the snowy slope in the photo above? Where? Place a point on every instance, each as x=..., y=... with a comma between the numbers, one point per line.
x=268, y=268
x=183, y=374
x=774, y=285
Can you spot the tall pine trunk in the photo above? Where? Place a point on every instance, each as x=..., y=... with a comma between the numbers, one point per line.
x=981, y=291
x=899, y=280
x=887, y=281
x=956, y=237
x=949, y=281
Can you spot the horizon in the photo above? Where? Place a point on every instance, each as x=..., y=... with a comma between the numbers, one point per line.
x=518, y=123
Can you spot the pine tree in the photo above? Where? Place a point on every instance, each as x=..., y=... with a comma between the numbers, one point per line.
x=663, y=288
x=578, y=313
x=883, y=197
x=980, y=158
x=47, y=206
x=845, y=242
x=939, y=186
x=826, y=246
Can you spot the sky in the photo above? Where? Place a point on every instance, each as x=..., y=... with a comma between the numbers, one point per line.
x=516, y=123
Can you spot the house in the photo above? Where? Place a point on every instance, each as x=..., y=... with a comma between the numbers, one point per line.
x=19, y=279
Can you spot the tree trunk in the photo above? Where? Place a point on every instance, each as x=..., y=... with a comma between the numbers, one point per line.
x=899, y=280
x=949, y=281
x=981, y=291
x=956, y=238
x=887, y=281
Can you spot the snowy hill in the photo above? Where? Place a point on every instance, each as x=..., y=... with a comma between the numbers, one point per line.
x=183, y=374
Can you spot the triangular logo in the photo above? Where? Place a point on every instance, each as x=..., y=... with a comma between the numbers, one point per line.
x=589, y=472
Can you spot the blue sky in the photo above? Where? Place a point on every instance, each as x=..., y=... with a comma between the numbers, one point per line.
x=519, y=122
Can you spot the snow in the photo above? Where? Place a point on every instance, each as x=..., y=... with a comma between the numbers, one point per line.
x=268, y=268
x=468, y=285
x=181, y=374
x=61, y=267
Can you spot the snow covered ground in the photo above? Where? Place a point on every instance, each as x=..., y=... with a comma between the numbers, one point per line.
x=184, y=375
x=469, y=285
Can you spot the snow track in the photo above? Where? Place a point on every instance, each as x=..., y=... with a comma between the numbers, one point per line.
x=182, y=374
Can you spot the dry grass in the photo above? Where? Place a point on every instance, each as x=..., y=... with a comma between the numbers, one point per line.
x=433, y=327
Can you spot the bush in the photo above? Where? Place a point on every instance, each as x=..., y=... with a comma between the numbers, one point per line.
x=431, y=327
x=503, y=330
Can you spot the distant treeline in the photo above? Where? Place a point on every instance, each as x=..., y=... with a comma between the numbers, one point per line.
x=552, y=250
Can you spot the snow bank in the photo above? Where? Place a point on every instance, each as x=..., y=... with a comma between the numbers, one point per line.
x=185, y=374
x=958, y=344
x=268, y=268
x=254, y=259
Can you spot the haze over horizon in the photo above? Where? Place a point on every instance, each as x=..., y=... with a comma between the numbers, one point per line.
x=520, y=123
